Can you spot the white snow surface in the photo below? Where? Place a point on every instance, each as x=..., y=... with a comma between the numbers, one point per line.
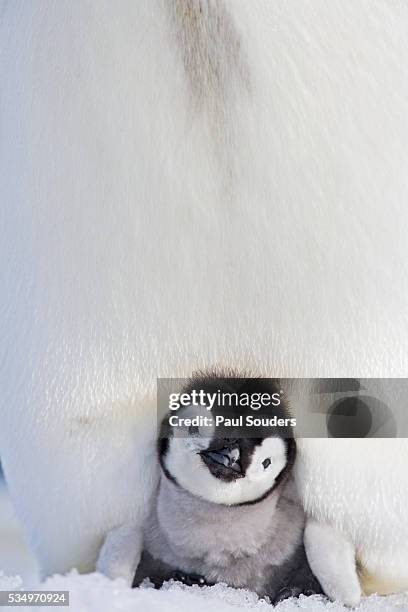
x=96, y=593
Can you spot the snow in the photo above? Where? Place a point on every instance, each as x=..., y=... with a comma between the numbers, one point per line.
x=96, y=593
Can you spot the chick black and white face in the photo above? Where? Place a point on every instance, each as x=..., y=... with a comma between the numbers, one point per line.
x=226, y=471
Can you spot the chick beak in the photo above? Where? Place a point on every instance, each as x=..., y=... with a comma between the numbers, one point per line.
x=227, y=456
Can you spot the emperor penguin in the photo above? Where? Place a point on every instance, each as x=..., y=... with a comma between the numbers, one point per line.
x=186, y=184
x=355, y=494
x=226, y=509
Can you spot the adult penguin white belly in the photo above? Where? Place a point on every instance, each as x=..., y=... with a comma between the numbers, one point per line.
x=355, y=493
x=185, y=184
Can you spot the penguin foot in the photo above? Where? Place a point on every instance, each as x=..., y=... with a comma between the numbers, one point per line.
x=190, y=579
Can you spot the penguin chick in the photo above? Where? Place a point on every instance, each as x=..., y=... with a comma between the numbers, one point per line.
x=227, y=509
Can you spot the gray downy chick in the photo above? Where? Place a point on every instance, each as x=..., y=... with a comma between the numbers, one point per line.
x=227, y=511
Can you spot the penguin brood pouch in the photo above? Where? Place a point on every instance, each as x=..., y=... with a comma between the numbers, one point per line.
x=227, y=509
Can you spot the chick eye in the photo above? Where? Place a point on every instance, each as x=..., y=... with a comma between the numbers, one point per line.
x=193, y=430
x=266, y=463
